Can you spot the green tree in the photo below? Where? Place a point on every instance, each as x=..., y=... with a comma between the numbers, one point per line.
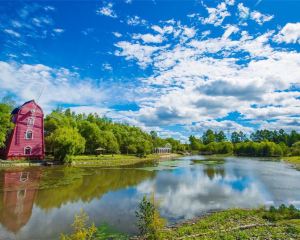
x=195, y=143
x=5, y=122
x=65, y=142
x=92, y=134
x=220, y=137
x=109, y=142
x=295, y=149
x=208, y=137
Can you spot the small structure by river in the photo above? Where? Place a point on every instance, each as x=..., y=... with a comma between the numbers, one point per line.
x=163, y=150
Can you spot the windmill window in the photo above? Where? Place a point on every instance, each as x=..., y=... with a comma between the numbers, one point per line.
x=30, y=121
x=27, y=150
x=28, y=134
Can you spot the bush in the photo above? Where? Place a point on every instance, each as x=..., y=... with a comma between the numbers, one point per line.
x=282, y=213
x=295, y=149
x=218, y=148
x=262, y=149
x=81, y=230
x=149, y=221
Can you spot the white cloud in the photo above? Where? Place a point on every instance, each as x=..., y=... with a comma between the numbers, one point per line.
x=290, y=33
x=260, y=18
x=136, y=51
x=230, y=30
x=27, y=81
x=136, y=20
x=243, y=11
x=163, y=30
x=189, y=32
x=201, y=80
x=216, y=15
x=107, y=67
x=107, y=10
x=149, y=38
x=117, y=34
x=230, y=2
x=12, y=33
x=58, y=30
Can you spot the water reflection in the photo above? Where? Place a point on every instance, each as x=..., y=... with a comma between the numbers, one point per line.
x=185, y=188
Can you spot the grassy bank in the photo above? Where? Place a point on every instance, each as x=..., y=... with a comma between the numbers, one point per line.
x=295, y=160
x=282, y=223
x=116, y=160
x=275, y=223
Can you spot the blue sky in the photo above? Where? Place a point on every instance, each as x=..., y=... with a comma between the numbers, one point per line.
x=177, y=67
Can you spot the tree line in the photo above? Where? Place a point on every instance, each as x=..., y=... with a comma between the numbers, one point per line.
x=68, y=133
x=261, y=143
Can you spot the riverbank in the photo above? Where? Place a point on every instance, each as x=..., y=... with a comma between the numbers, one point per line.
x=116, y=160
x=281, y=223
x=295, y=161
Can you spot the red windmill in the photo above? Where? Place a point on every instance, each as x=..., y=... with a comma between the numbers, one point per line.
x=27, y=137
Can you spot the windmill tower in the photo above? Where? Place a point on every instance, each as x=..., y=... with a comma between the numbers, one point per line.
x=27, y=138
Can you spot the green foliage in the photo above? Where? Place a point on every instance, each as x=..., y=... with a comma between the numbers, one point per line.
x=101, y=132
x=81, y=230
x=295, y=150
x=104, y=232
x=92, y=135
x=149, y=222
x=195, y=144
x=282, y=213
x=65, y=142
x=5, y=122
x=238, y=224
x=262, y=149
x=237, y=137
x=208, y=136
x=218, y=148
x=275, y=136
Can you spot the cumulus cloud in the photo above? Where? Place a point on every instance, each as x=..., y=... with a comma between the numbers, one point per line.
x=136, y=51
x=27, y=81
x=260, y=18
x=216, y=15
x=290, y=33
x=198, y=81
x=135, y=20
x=117, y=34
x=149, y=38
x=243, y=11
x=107, y=10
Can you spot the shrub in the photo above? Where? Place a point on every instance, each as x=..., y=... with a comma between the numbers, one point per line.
x=81, y=230
x=149, y=221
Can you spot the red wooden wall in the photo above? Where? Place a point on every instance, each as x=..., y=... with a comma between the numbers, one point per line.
x=28, y=117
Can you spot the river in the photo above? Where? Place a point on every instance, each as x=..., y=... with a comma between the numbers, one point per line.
x=40, y=203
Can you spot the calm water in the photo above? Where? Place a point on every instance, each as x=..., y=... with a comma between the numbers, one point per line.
x=39, y=203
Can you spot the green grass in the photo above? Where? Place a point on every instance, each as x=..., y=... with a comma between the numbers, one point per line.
x=115, y=160
x=295, y=160
x=240, y=224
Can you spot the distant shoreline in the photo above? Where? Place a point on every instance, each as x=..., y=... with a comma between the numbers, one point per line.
x=116, y=160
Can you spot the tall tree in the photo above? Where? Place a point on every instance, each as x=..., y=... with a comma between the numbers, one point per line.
x=5, y=122
x=208, y=137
